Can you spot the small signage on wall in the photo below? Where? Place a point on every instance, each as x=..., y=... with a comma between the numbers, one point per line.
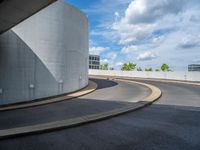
x=1, y=91
x=31, y=86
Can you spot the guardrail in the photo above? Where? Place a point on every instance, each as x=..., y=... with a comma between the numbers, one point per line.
x=176, y=75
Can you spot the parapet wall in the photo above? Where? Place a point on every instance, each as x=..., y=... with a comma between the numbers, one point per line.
x=179, y=75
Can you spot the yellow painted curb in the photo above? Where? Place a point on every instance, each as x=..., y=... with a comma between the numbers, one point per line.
x=155, y=92
x=92, y=86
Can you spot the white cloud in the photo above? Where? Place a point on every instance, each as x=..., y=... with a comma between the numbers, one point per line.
x=98, y=50
x=146, y=56
x=196, y=60
x=143, y=17
x=146, y=11
x=119, y=64
x=129, y=49
x=189, y=42
x=104, y=61
x=132, y=33
x=112, y=55
x=117, y=14
x=110, y=58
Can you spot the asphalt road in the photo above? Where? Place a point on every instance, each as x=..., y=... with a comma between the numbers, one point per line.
x=172, y=123
x=109, y=95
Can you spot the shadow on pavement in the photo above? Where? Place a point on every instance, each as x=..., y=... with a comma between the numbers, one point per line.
x=57, y=111
x=104, y=83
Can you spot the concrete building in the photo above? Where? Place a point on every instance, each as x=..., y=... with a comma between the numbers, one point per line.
x=194, y=67
x=94, y=62
x=45, y=55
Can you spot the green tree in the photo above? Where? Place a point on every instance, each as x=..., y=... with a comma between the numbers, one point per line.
x=148, y=69
x=139, y=69
x=128, y=67
x=164, y=67
x=104, y=66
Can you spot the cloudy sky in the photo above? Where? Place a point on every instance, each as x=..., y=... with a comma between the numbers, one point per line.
x=144, y=32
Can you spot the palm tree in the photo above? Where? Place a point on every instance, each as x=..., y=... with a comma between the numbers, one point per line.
x=164, y=67
x=104, y=66
x=128, y=67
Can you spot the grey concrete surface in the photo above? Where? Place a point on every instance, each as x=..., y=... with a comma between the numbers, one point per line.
x=169, y=124
x=89, y=104
x=45, y=55
x=13, y=12
x=175, y=75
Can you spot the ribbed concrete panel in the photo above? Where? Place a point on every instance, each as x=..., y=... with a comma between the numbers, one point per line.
x=45, y=55
x=13, y=12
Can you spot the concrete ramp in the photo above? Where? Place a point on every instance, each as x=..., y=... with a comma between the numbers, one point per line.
x=13, y=12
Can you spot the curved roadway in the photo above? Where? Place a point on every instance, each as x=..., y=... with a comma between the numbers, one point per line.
x=108, y=96
x=172, y=123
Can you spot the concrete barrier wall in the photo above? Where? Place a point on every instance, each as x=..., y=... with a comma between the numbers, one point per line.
x=45, y=55
x=186, y=76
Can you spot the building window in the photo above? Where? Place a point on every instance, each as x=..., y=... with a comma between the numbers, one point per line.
x=94, y=62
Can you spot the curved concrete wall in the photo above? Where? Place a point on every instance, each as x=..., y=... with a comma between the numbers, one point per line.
x=45, y=55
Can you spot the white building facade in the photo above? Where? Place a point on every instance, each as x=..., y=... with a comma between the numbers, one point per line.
x=94, y=61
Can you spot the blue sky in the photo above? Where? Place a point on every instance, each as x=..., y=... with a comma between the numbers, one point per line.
x=144, y=32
